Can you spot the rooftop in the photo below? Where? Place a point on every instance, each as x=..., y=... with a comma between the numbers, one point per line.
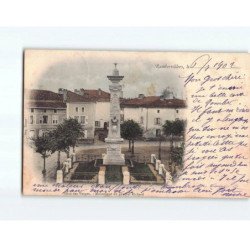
x=43, y=95
x=49, y=99
x=45, y=99
x=153, y=102
x=96, y=94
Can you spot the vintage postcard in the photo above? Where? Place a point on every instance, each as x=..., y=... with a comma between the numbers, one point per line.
x=143, y=124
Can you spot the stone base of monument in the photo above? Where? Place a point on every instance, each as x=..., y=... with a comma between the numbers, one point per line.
x=114, y=159
x=113, y=155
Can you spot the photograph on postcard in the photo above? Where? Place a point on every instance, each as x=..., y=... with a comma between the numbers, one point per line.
x=146, y=124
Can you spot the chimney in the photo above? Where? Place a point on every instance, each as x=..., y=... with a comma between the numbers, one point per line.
x=141, y=96
x=63, y=92
x=60, y=91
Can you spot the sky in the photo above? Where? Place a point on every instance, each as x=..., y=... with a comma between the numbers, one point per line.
x=53, y=69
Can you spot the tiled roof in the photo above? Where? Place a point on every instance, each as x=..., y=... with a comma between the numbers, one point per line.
x=49, y=99
x=45, y=99
x=97, y=95
x=88, y=95
x=47, y=104
x=74, y=97
x=153, y=102
x=38, y=94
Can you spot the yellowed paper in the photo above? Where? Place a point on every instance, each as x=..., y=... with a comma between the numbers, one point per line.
x=208, y=92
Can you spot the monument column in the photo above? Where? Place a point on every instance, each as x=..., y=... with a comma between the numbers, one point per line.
x=113, y=141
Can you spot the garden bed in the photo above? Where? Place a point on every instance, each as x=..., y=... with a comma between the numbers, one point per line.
x=85, y=171
x=113, y=174
x=141, y=172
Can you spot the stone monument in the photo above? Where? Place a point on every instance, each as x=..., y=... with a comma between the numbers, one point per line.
x=114, y=140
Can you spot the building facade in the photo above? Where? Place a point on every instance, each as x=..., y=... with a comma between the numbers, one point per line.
x=102, y=105
x=44, y=110
x=82, y=109
x=151, y=112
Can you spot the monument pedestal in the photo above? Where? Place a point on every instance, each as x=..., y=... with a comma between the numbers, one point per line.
x=113, y=155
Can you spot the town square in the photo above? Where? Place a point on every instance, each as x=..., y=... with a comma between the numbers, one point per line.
x=97, y=136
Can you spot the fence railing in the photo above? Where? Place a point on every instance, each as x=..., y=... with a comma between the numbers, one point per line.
x=138, y=158
x=92, y=157
x=87, y=157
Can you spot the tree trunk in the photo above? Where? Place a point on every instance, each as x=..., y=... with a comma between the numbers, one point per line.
x=58, y=160
x=67, y=152
x=73, y=149
x=133, y=147
x=44, y=168
x=159, y=150
x=129, y=145
x=171, y=147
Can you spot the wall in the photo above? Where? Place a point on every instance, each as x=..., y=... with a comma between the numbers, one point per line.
x=88, y=113
x=150, y=114
x=102, y=112
x=38, y=128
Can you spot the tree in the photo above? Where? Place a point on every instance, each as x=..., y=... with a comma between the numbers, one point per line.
x=72, y=131
x=174, y=128
x=177, y=155
x=65, y=136
x=58, y=143
x=43, y=146
x=167, y=93
x=131, y=130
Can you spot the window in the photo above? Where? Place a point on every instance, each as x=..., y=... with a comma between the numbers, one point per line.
x=55, y=111
x=158, y=111
x=76, y=109
x=177, y=111
x=45, y=119
x=31, y=119
x=54, y=119
x=82, y=109
x=141, y=120
x=97, y=124
x=82, y=119
x=157, y=121
x=44, y=110
x=77, y=118
x=32, y=110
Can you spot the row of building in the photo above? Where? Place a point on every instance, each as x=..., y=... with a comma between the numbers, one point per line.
x=45, y=109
